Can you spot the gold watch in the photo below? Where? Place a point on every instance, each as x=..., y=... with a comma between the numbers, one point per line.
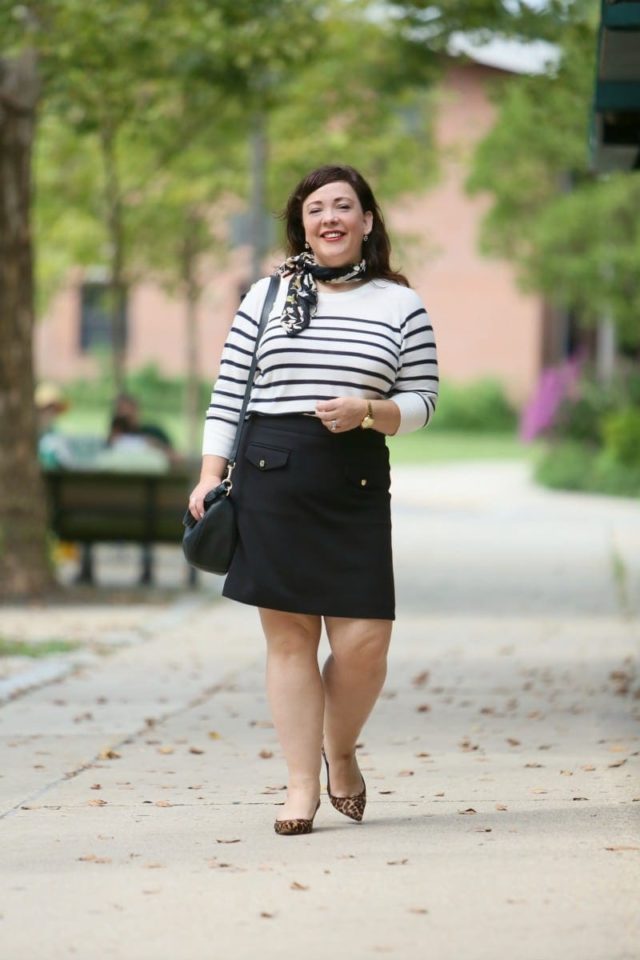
x=368, y=420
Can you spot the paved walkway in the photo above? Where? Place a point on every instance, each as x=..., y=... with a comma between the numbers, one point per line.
x=138, y=789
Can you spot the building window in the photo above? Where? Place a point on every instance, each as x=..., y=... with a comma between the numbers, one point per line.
x=95, y=323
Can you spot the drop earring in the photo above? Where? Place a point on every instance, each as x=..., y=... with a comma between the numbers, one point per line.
x=365, y=237
x=307, y=245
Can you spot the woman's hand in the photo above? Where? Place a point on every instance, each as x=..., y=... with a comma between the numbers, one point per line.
x=199, y=492
x=342, y=413
x=196, y=500
x=211, y=473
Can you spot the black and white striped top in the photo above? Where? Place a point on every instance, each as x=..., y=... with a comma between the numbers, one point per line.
x=374, y=341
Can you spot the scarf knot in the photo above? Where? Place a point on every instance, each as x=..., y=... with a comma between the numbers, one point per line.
x=301, y=301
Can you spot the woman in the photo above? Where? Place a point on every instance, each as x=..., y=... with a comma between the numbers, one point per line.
x=347, y=357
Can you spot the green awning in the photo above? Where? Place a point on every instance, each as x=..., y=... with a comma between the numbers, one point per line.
x=615, y=126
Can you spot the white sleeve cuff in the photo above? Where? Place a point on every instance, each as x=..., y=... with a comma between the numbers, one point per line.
x=414, y=413
x=218, y=438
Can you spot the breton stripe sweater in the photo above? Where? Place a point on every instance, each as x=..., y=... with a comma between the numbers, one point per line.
x=374, y=341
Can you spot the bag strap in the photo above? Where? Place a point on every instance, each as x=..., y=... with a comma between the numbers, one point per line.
x=274, y=284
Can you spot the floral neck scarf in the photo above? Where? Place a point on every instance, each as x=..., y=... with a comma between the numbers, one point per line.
x=302, y=296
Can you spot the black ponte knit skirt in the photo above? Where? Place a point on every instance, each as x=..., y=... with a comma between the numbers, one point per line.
x=314, y=520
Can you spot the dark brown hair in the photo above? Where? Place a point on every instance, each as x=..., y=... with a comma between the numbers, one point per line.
x=376, y=251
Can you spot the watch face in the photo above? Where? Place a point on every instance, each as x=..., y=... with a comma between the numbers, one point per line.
x=367, y=422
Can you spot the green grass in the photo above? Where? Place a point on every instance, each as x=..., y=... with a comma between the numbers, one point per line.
x=439, y=446
x=423, y=446
x=22, y=648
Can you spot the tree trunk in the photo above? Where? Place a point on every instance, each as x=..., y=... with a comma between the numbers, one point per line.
x=193, y=414
x=258, y=219
x=115, y=228
x=24, y=566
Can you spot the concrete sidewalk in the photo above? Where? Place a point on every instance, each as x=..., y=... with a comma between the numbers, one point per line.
x=138, y=791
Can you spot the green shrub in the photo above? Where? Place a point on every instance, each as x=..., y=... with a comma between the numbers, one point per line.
x=621, y=432
x=480, y=407
x=156, y=392
x=580, y=419
x=613, y=477
x=574, y=466
x=565, y=466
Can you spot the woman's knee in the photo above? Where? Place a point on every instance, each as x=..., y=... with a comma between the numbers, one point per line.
x=360, y=643
x=290, y=634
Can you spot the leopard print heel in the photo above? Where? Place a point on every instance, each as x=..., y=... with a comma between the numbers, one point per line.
x=352, y=807
x=296, y=826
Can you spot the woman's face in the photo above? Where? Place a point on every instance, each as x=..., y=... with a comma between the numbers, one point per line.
x=335, y=223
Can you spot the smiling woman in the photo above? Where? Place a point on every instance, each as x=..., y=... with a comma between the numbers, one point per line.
x=335, y=224
x=347, y=357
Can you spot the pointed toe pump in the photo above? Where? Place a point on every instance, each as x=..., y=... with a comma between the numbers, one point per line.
x=296, y=826
x=352, y=807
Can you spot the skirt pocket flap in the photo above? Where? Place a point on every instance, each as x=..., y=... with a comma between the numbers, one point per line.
x=266, y=458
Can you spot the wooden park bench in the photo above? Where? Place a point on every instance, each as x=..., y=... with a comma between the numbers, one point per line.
x=98, y=506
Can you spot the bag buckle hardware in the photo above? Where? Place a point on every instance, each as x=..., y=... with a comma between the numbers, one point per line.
x=227, y=483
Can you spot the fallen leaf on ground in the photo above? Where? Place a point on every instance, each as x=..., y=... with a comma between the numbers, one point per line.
x=501, y=806
x=513, y=742
x=566, y=773
x=237, y=840
x=165, y=749
x=622, y=848
x=483, y=829
x=421, y=755
x=534, y=765
x=153, y=866
x=94, y=858
x=468, y=810
x=267, y=916
x=538, y=790
x=214, y=735
x=108, y=754
x=385, y=792
x=96, y=786
x=423, y=708
x=588, y=767
x=298, y=886
x=397, y=863
x=97, y=802
x=418, y=910
x=438, y=794
x=163, y=803
x=579, y=798
x=618, y=763
x=406, y=773
x=195, y=750
x=266, y=754
x=420, y=678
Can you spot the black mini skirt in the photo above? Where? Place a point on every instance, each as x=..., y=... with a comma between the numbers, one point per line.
x=314, y=520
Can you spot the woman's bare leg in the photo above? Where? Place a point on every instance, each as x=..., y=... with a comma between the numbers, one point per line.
x=353, y=678
x=296, y=698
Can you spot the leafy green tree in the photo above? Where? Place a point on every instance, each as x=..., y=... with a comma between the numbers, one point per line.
x=574, y=237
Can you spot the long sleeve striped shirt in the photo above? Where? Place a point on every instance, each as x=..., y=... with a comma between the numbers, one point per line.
x=374, y=341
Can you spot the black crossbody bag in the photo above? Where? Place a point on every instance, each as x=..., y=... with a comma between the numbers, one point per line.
x=209, y=543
